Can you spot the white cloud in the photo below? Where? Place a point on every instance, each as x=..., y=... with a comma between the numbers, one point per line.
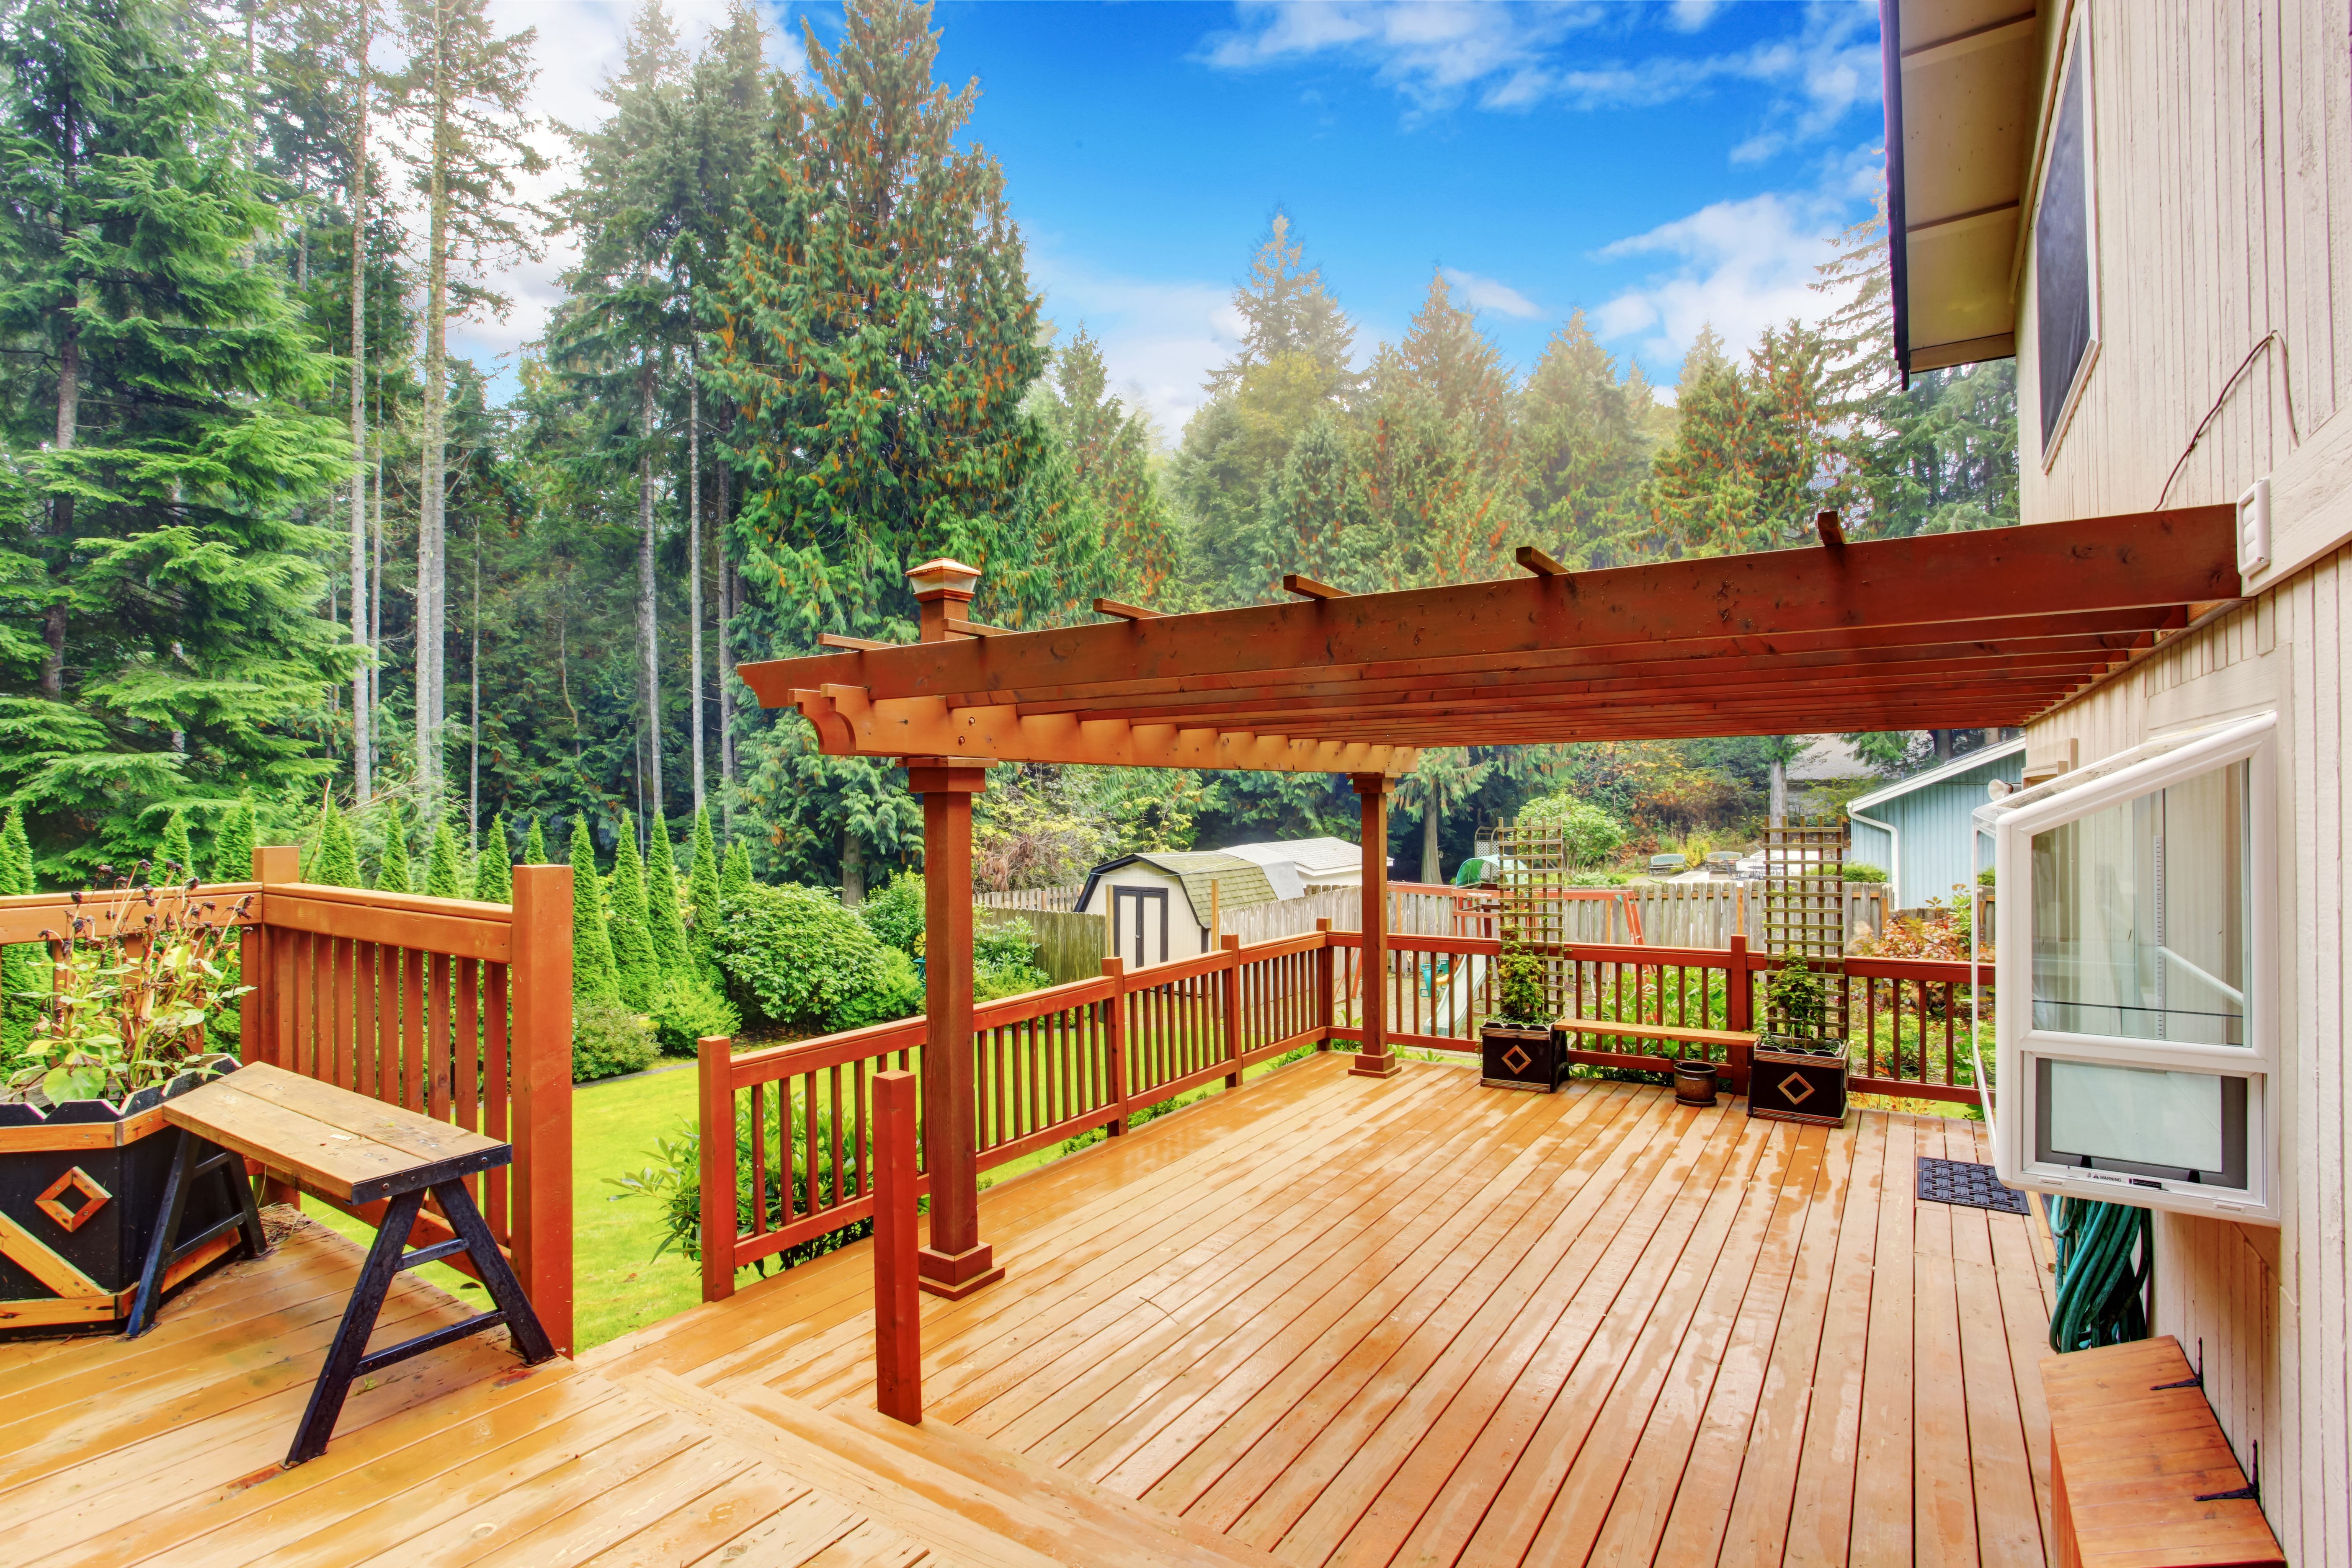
x=1160, y=339
x=1515, y=57
x=1739, y=266
x=1492, y=294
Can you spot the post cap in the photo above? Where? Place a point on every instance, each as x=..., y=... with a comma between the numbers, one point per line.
x=944, y=578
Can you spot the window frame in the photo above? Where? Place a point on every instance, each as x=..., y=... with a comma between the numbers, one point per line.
x=2020, y=1046
x=2077, y=56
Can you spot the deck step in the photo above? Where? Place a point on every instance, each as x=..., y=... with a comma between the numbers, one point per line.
x=970, y=1506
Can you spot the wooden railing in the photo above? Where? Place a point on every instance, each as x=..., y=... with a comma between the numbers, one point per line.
x=1055, y=1064
x=456, y=1009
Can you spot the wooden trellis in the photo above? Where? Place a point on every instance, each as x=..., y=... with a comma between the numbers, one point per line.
x=1804, y=915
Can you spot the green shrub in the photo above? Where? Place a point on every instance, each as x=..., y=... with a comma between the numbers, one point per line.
x=684, y=1011
x=1004, y=961
x=608, y=1040
x=1854, y=873
x=673, y=1179
x=793, y=956
x=1590, y=834
x=895, y=914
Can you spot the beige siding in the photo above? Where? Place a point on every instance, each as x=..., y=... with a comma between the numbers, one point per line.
x=2223, y=176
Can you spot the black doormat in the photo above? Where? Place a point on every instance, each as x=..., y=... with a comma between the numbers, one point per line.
x=1971, y=1186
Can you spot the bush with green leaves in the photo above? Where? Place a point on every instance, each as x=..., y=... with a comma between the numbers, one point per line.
x=685, y=1010
x=1590, y=835
x=1859, y=873
x=673, y=1179
x=1004, y=961
x=895, y=914
x=793, y=956
x=608, y=1040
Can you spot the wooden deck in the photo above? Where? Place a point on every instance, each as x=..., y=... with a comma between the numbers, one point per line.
x=1357, y=1321
x=1324, y=1319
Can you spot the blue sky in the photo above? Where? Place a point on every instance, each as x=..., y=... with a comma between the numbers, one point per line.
x=1656, y=164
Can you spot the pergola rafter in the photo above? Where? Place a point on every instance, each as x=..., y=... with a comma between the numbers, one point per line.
x=1946, y=631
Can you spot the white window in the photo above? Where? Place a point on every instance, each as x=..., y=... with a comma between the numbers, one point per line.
x=2134, y=977
x=2066, y=251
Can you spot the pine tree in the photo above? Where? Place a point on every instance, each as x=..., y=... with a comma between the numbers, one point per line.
x=1110, y=451
x=634, y=959
x=233, y=844
x=663, y=922
x=160, y=449
x=493, y=871
x=702, y=897
x=1287, y=310
x=534, y=849
x=1582, y=452
x=445, y=872
x=337, y=861
x=1443, y=479
x=595, y=976
x=735, y=879
x=1315, y=519
x=174, y=860
x=21, y=964
x=462, y=93
x=877, y=334
x=391, y=874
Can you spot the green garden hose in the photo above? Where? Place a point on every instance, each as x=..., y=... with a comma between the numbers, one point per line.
x=2107, y=1255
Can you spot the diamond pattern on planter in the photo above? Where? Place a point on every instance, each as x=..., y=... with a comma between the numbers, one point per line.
x=94, y=1198
x=1517, y=1059
x=1797, y=1090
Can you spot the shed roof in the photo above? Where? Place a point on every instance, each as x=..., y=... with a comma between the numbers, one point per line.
x=1309, y=854
x=1937, y=631
x=1944, y=772
x=1239, y=882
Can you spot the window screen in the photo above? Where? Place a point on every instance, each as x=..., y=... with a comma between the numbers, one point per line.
x=2061, y=257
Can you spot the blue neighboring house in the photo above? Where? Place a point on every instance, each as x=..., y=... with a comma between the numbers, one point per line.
x=1918, y=830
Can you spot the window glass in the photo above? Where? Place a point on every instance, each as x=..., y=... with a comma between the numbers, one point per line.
x=2061, y=257
x=2141, y=916
x=2137, y=1115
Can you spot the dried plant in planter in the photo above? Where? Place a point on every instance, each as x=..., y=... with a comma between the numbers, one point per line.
x=137, y=974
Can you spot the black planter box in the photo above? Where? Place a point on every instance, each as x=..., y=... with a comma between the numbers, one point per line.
x=1797, y=1080
x=1512, y=1056
x=84, y=1184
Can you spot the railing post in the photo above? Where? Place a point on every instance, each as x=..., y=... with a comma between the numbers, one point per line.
x=260, y=1037
x=1115, y=971
x=1232, y=946
x=1326, y=973
x=1737, y=1004
x=714, y=1059
x=540, y=1206
x=898, y=1300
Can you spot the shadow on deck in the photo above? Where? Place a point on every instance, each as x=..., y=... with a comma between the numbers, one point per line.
x=1330, y=1319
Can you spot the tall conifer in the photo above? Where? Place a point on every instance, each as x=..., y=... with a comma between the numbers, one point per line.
x=634, y=959
x=735, y=877
x=445, y=873
x=233, y=844
x=493, y=868
x=534, y=849
x=336, y=863
x=663, y=922
x=594, y=974
x=702, y=897
x=392, y=875
x=174, y=860
x=20, y=963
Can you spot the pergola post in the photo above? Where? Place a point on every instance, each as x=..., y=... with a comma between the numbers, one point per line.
x=957, y=1262
x=1373, y=1059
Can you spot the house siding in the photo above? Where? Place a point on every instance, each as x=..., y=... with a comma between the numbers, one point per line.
x=1934, y=826
x=2223, y=175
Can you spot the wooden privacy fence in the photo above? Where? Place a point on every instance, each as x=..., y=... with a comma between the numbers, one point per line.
x=795, y=1123
x=456, y=1009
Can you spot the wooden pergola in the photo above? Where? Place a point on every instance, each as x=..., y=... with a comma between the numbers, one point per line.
x=1943, y=631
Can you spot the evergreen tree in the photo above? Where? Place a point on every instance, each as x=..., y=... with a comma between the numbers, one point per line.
x=233, y=844
x=702, y=899
x=159, y=452
x=596, y=977
x=664, y=924
x=493, y=871
x=175, y=861
x=445, y=872
x=877, y=336
x=1110, y=451
x=534, y=849
x=1442, y=481
x=1286, y=310
x=393, y=874
x=21, y=963
x=735, y=877
x=336, y=863
x=1314, y=518
x=634, y=958
x=1582, y=452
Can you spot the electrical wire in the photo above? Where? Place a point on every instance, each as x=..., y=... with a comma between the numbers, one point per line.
x=2106, y=1257
x=2286, y=378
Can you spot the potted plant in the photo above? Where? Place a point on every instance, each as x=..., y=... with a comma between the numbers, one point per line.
x=137, y=976
x=1798, y=1072
x=1518, y=1047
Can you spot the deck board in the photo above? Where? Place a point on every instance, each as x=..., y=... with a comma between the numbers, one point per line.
x=1415, y=1320
x=1347, y=1321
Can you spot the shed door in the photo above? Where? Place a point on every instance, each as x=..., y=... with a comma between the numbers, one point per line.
x=1138, y=932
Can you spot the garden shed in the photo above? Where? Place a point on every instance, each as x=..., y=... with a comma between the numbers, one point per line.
x=1918, y=830
x=1158, y=903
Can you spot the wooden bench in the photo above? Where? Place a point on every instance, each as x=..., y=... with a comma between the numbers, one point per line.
x=2141, y=1474
x=354, y=1149
x=1737, y=1043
